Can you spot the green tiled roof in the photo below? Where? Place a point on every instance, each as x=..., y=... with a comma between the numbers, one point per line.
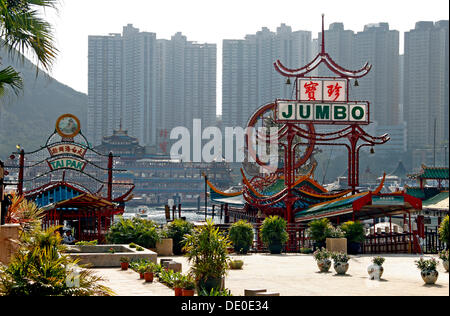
x=332, y=206
x=436, y=199
x=432, y=173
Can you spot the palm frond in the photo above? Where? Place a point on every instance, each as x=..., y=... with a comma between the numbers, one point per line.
x=22, y=30
x=12, y=79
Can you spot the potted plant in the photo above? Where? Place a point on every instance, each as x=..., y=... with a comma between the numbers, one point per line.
x=177, y=230
x=236, y=264
x=274, y=234
x=149, y=272
x=178, y=284
x=443, y=231
x=355, y=234
x=188, y=286
x=444, y=257
x=241, y=235
x=340, y=262
x=206, y=250
x=428, y=270
x=376, y=269
x=124, y=263
x=336, y=241
x=322, y=257
x=319, y=230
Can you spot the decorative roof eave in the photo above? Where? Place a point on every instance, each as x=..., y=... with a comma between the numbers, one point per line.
x=329, y=62
x=432, y=173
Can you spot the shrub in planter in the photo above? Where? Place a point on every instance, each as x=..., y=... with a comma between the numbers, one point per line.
x=206, y=250
x=340, y=262
x=188, y=286
x=443, y=231
x=322, y=257
x=355, y=234
x=149, y=272
x=177, y=230
x=137, y=230
x=444, y=257
x=241, y=235
x=216, y=293
x=178, y=284
x=306, y=251
x=124, y=263
x=274, y=234
x=376, y=269
x=428, y=270
x=319, y=230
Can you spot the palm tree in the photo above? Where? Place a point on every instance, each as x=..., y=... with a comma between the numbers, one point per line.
x=23, y=30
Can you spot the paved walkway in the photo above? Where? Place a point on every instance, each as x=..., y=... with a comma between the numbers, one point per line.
x=297, y=275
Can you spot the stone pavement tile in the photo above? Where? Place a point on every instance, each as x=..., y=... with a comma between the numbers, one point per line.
x=297, y=275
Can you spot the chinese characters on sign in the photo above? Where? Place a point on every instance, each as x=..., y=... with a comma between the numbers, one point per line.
x=67, y=149
x=322, y=90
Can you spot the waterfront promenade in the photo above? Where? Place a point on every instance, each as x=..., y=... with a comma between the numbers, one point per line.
x=297, y=275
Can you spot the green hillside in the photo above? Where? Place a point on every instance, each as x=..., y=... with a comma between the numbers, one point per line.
x=28, y=119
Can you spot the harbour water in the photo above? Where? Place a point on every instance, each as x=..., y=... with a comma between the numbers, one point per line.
x=158, y=214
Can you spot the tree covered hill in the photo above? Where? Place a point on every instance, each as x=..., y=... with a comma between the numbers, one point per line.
x=29, y=118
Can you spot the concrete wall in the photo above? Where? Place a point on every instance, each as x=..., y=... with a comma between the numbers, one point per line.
x=9, y=236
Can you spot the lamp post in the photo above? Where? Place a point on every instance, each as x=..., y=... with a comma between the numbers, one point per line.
x=206, y=196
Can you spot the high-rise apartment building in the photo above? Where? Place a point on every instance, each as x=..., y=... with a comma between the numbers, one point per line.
x=379, y=46
x=426, y=98
x=249, y=78
x=149, y=85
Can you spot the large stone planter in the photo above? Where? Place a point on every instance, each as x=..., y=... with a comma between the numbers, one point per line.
x=337, y=245
x=445, y=264
x=375, y=271
x=341, y=268
x=275, y=249
x=9, y=244
x=165, y=247
x=324, y=265
x=99, y=256
x=429, y=277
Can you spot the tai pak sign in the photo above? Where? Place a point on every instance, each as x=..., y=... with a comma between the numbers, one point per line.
x=67, y=163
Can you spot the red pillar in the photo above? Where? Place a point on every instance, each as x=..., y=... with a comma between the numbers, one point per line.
x=110, y=176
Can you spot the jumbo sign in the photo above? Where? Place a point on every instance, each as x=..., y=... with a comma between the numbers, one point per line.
x=307, y=112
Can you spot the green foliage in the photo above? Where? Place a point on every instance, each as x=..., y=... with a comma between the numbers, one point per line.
x=177, y=230
x=206, y=250
x=169, y=277
x=40, y=268
x=306, y=251
x=136, y=230
x=340, y=257
x=215, y=292
x=354, y=231
x=241, y=235
x=273, y=231
x=132, y=245
x=320, y=230
x=443, y=255
x=188, y=282
x=87, y=243
x=124, y=259
x=427, y=265
x=336, y=232
x=378, y=261
x=139, y=248
x=321, y=254
x=443, y=231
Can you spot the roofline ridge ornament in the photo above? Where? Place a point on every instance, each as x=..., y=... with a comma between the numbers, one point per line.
x=322, y=57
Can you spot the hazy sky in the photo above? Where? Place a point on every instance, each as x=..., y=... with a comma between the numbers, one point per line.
x=214, y=20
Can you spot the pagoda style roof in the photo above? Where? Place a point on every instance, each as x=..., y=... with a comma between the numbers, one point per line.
x=438, y=202
x=400, y=171
x=431, y=173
